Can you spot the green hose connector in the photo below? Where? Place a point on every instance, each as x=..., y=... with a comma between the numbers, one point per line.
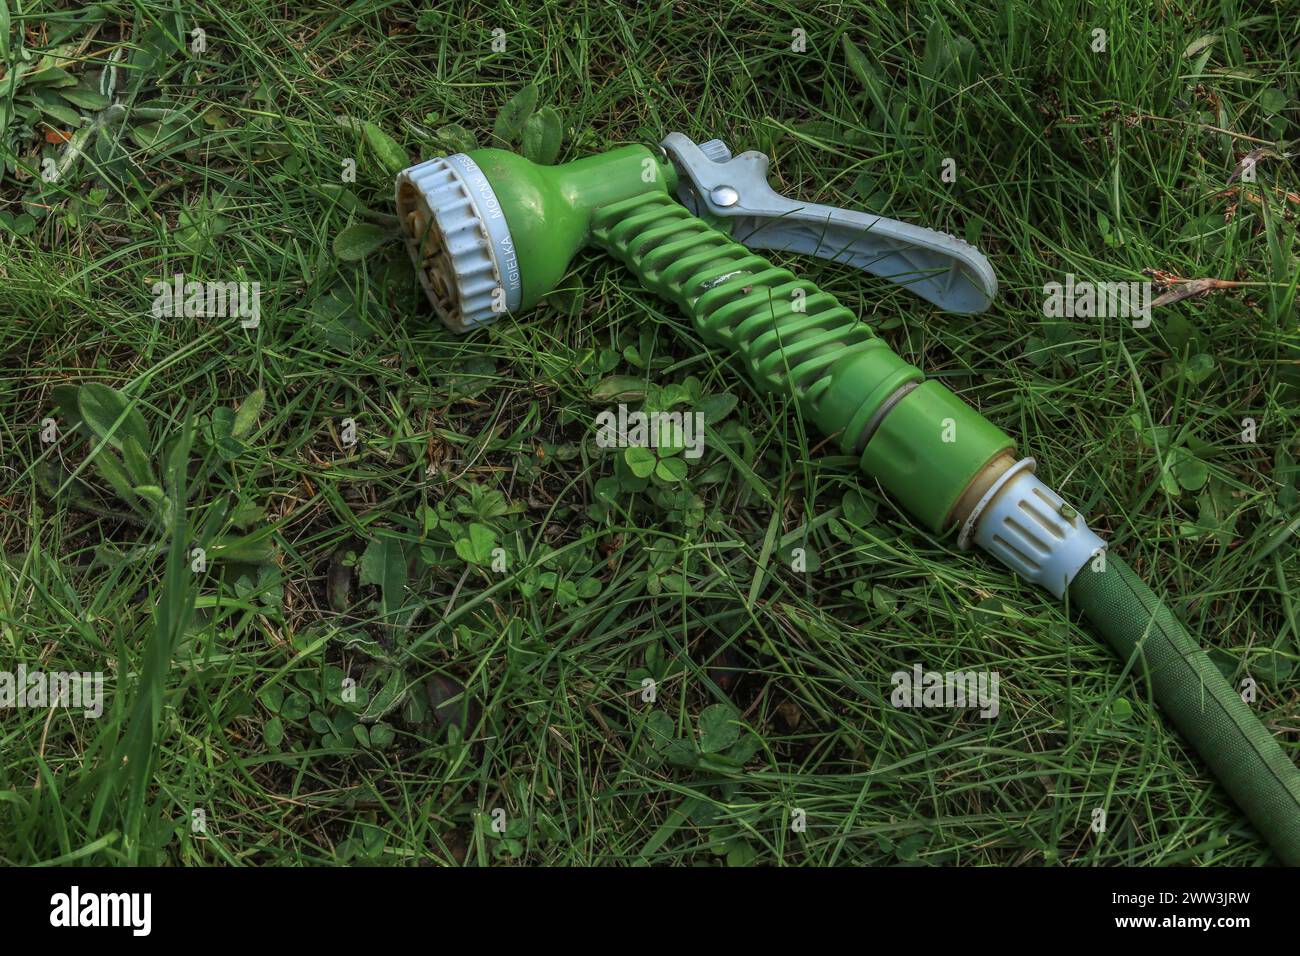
x=929, y=449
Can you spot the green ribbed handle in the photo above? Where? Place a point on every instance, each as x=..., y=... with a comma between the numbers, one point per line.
x=798, y=340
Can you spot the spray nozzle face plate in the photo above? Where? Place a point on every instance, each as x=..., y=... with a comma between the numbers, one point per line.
x=457, y=236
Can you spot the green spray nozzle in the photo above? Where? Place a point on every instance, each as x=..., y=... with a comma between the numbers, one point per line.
x=492, y=233
x=536, y=218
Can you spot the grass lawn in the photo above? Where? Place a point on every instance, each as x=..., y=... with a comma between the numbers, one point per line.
x=364, y=591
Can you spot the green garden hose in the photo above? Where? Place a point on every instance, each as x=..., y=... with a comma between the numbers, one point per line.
x=1194, y=694
x=492, y=233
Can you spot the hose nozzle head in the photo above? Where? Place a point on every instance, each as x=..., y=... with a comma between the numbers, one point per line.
x=491, y=233
x=459, y=242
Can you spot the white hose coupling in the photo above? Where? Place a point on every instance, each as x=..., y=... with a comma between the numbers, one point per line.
x=1030, y=528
